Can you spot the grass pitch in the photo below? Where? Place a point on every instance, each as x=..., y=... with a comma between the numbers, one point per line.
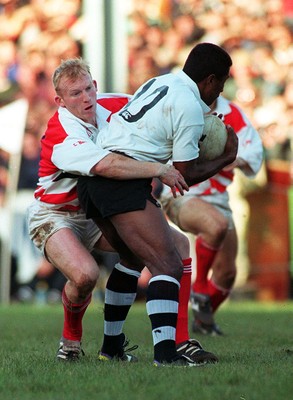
x=256, y=358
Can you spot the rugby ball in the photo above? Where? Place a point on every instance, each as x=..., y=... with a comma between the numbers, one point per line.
x=213, y=140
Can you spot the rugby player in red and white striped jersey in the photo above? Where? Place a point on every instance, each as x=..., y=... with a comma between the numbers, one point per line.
x=205, y=212
x=68, y=150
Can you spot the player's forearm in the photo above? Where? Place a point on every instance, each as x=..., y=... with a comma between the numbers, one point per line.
x=203, y=172
x=117, y=166
x=196, y=171
x=240, y=164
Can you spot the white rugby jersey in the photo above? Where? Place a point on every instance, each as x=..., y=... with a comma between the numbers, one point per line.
x=163, y=120
x=250, y=149
x=68, y=149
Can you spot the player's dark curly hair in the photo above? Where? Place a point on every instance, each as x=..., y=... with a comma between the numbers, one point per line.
x=206, y=59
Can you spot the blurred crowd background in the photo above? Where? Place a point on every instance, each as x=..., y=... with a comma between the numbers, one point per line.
x=36, y=34
x=258, y=36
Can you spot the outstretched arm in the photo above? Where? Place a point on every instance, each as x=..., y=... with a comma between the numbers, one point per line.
x=117, y=166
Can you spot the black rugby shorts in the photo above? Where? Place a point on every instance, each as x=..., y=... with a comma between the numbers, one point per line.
x=104, y=197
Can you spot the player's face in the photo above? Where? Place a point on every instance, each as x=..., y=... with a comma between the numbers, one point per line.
x=79, y=97
x=213, y=89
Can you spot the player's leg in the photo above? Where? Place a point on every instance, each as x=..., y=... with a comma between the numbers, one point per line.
x=224, y=271
x=201, y=218
x=60, y=237
x=184, y=344
x=220, y=284
x=204, y=220
x=65, y=251
x=120, y=294
x=148, y=235
x=182, y=244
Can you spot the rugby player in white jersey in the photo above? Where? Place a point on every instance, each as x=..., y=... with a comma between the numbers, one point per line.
x=163, y=121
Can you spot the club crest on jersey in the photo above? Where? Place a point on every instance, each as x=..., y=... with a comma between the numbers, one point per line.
x=78, y=143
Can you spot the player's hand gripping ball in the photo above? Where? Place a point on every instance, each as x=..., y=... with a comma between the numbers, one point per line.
x=213, y=140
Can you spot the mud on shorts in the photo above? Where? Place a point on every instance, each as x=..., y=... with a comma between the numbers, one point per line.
x=105, y=197
x=220, y=201
x=43, y=222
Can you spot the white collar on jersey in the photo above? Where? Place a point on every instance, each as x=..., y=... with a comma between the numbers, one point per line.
x=68, y=115
x=193, y=86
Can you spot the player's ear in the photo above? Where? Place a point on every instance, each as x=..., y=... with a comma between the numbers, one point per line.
x=211, y=78
x=59, y=101
x=95, y=84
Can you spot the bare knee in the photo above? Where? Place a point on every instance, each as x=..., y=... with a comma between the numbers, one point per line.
x=221, y=228
x=84, y=281
x=215, y=235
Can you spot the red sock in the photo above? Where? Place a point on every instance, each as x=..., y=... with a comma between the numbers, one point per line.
x=184, y=295
x=205, y=256
x=73, y=314
x=217, y=294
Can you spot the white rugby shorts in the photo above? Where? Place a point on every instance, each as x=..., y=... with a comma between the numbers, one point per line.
x=43, y=222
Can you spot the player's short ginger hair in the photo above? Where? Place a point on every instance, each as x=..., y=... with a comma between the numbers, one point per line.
x=71, y=68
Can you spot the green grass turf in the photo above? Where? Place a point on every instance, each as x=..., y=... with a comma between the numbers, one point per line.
x=256, y=358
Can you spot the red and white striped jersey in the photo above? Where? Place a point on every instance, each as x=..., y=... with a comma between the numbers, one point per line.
x=68, y=149
x=250, y=149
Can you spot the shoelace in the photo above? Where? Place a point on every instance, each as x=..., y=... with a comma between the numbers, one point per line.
x=126, y=343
